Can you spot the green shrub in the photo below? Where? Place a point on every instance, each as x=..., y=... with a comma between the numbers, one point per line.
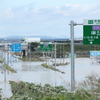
x=30, y=91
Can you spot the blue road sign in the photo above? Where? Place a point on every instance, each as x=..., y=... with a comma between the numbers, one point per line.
x=94, y=53
x=16, y=47
x=69, y=56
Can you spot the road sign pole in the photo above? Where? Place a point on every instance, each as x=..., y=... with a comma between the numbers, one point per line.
x=55, y=54
x=72, y=56
x=43, y=56
x=72, y=24
x=63, y=54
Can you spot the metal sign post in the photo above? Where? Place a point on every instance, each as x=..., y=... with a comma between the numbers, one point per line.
x=55, y=53
x=72, y=24
x=72, y=56
x=91, y=36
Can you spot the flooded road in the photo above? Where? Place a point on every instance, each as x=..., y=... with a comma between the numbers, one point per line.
x=35, y=73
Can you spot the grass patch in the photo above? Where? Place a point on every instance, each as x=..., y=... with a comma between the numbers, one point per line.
x=58, y=64
x=9, y=68
x=52, y=68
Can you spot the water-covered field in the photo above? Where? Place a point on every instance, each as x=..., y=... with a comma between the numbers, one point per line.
x=35, y=73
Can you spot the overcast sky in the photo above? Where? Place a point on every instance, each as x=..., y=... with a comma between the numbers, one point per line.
x=45, y=17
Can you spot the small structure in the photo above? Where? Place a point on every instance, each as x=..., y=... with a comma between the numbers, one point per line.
x=26, y=44
x=30, y=40
x=24, y=49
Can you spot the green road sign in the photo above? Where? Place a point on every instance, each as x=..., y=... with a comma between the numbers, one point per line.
x=91, y=32
x=45, y=47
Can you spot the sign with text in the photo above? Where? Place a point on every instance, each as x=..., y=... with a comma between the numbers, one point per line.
x=16, y=47
x=45, y=47
x=94, y=53
x=91, y=32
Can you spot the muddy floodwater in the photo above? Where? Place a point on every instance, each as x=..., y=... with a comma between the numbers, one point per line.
x=35, y=73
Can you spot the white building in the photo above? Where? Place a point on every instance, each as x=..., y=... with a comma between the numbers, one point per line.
x=30, y=40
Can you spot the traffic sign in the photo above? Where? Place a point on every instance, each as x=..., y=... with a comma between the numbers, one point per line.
x=69, y=56
x=16, y=47
x=94, y=53
x=91, y=32
x=45, y=47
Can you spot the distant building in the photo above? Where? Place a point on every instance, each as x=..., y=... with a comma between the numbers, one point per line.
x=30, y=40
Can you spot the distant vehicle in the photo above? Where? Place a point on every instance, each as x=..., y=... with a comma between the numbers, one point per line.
x=30, y=40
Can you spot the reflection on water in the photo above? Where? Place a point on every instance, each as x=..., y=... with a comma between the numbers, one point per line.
x=31, y=67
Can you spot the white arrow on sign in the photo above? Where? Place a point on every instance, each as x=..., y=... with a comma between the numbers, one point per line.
x=91, y=42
